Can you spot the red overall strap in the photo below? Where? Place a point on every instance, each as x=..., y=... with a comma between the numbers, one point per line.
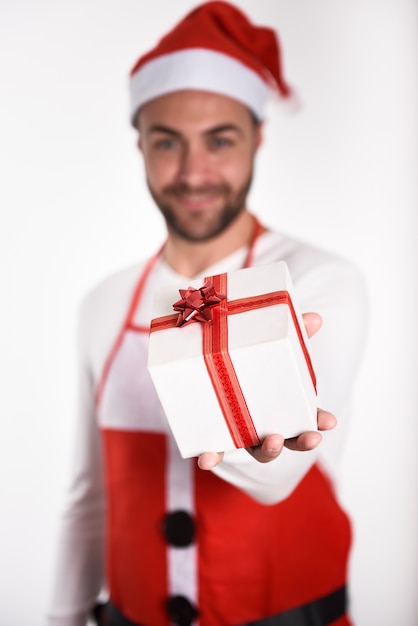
x=127, y=321
x=258, y=229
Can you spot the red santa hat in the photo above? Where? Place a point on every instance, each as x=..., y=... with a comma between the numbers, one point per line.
x=214, y=48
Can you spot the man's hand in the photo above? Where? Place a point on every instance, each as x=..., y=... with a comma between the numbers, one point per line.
x=272, y=445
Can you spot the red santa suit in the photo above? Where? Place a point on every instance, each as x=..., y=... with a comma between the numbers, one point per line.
x=237, y=544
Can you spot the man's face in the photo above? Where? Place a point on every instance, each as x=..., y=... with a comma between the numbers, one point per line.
x=198, y=149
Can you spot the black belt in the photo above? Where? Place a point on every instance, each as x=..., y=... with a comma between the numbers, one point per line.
x=320, y=612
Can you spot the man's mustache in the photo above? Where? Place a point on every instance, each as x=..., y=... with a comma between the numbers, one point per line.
x=181, y=189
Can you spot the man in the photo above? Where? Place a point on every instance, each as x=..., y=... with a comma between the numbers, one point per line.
x=250, y=536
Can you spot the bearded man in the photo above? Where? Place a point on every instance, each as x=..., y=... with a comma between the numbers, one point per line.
x=244, y=537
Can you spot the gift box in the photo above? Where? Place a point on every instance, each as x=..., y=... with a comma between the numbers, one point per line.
x=229, y=360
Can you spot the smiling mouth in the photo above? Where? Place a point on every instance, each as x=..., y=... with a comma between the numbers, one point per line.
x=196, y=198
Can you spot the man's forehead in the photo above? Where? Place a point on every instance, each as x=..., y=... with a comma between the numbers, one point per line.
x=191, y=107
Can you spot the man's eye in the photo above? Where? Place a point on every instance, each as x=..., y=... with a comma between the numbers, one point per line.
x=221, y=142
x=165, y=144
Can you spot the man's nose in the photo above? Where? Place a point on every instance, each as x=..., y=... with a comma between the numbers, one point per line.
x=194, y=166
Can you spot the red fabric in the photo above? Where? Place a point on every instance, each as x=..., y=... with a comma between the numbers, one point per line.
x=343, y=621
x=136, y=548
x=254, y=560
x=222, y=27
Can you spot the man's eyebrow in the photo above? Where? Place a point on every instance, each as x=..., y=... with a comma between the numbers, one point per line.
x=223, y=128
x=157, y=128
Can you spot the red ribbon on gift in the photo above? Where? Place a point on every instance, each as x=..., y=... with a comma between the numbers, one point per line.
x=215, y=348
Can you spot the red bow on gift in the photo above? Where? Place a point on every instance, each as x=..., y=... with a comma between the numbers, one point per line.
x=196, y=305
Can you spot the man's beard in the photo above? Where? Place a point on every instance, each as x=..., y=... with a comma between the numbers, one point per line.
x=193, y=229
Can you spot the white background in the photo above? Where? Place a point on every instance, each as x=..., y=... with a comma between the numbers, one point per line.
x=74, y=207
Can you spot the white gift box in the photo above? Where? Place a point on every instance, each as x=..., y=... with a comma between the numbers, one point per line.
x=228, y=382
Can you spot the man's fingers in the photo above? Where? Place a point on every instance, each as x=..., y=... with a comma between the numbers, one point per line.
x=305, y=441
x=326, y=420
x=268, y=450
x=313, y=322
x=209, y=460
x=274, y=444
x=311, y=439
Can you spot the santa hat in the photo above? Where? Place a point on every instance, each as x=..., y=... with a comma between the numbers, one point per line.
x=214, y=48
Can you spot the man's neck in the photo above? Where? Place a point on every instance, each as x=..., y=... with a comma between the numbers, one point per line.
x=191, y=258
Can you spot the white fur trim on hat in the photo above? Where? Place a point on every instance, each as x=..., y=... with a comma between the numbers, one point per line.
x=202, y=69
